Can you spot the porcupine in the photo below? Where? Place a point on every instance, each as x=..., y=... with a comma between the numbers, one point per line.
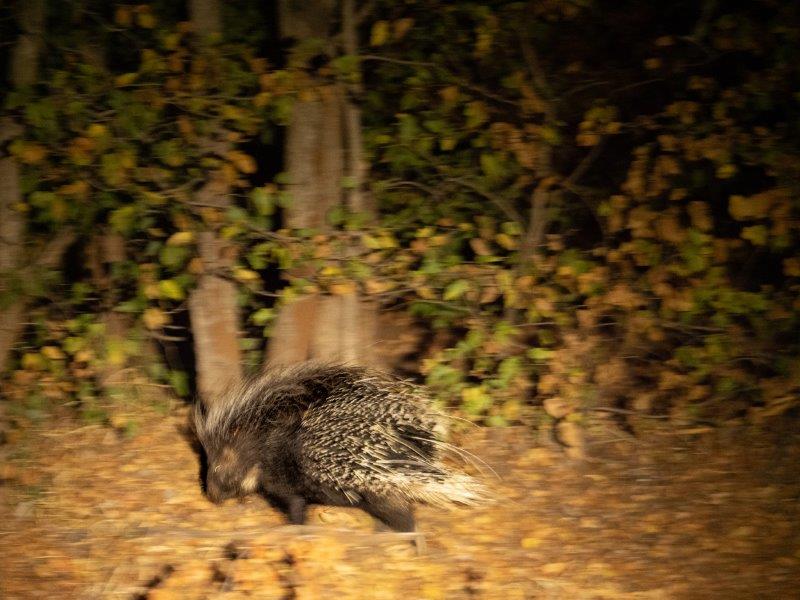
x=332, y=435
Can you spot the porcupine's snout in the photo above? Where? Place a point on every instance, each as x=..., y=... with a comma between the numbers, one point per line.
x=215, y=492
x=228, y=477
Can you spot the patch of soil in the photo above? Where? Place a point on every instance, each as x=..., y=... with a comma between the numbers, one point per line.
x=88, y=513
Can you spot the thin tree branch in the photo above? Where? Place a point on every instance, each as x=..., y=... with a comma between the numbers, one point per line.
x=456, y=79
x=584, y=165
x=501, y=203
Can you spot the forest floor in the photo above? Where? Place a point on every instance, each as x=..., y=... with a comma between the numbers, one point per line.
x=88, y=512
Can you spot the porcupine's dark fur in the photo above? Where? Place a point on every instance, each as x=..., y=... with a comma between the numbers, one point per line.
x=329, y=434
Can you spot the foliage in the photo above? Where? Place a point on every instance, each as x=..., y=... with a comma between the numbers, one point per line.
x=596, y=201
x=668, y=281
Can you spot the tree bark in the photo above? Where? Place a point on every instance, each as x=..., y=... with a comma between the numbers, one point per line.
x=323, y=147
x=12, y=319
x=25, y=56
x=212, y=304
x=205, y=16
x=23, y=70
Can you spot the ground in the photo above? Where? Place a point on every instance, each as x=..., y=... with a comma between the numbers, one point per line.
x=94, y=512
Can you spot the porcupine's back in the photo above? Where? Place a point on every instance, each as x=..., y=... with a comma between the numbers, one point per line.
x=373, y=436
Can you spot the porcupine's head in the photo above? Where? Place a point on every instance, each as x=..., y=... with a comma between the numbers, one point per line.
x=232, y=453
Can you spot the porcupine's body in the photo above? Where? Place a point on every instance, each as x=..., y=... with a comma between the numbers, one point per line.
x=329, y=434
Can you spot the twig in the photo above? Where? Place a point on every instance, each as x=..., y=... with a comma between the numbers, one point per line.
x=504, y=206
x=584, y=165
x=456, y=79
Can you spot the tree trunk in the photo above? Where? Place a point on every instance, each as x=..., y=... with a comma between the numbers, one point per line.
x=105, y=250
x=205, y=17
x=323, y=146
x=23, y=69
x=212, y=304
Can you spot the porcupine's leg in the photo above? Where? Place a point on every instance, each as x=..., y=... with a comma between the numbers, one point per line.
x=397, y=515
x=296, y=508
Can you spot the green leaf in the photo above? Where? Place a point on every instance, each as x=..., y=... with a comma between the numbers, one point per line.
x=179, y=381
x=173, y=257
x=262, y=316
x=456, y=289
x=509, y=368
x=491, y=165
x=262, y=201
x=539, y=354
x=123, y=219
x=476, y=114
x=379, y=33
x=475, y=400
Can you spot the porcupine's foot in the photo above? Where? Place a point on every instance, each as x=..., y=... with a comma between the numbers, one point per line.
x=395, y=518
x=296, y=510
x=417, y=539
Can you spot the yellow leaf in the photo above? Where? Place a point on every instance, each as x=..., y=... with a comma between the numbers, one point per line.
x=153, y=198
x=377, y=286
x=401, y=27
x=154, y=318
x=726, y=171
x=480, y=247
x=53, y=353
x=180, y=238
x=330, y=271
x=228, y=173
x=791, y=267
x=196, y=266
x=243, y=162
x=483, y=42
x=151, y=291
x=531, y=542
x=754, y=207
x=211, y=215
x=506, y=241
x=700, y=215
x=449, y=94
x=77, y=188
x=125, y=79
x=59, y=209
x=678, y=194
x=525, y=283
x=122, y=16
x=557, y=407
x=245, y=275
x=587, y=139
x=488, y=295
x=84, y=356
x=379, y=34
x=342, y=288
x=652, y=63
x=169, y=288
x=31, y=153
x=669, y=228
x=32, y=361
x=96, y=130
x=146, y=20
x=426, y=293
x=261, y=99
x=757, y=234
